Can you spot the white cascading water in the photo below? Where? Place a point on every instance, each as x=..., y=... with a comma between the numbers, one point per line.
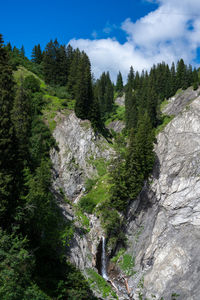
x=103, y=259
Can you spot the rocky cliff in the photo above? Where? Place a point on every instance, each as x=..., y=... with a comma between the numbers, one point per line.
x=73, y=163
x=163, y=225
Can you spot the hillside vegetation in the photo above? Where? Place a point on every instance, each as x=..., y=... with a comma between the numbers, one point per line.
x=33, y=233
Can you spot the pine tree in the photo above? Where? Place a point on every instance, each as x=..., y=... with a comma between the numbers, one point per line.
x=105, y=94
x=119, y=83
x=8, y=191
x=84, y=93
x=37, y=54
x=21, y=118
x=22, y=51
x=73, y=72
x=130, y=102
x=173, y=85
x=181, y=75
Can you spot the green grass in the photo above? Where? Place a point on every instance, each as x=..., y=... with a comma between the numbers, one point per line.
x=165, y=121
x=163, y=104
x=118, y=255
x=85, y=222
x=53, y=104
x=117, y=114
x=125, y=262
x=98, y=193
x=179, y=91
x=98, y=282
x=22, y=72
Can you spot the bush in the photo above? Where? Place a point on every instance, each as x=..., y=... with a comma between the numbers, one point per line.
x=195, y=86
x=32, y=83
x=87, y=205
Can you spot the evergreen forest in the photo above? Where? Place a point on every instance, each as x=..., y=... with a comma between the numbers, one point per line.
x=33, y=233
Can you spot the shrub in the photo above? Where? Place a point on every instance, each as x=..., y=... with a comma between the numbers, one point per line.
x=32, y=83
x=87, y=204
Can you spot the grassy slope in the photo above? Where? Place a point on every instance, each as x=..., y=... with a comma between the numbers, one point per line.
x=53, y=104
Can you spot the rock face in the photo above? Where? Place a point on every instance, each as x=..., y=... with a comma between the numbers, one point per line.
x=117, y=126
x=164, y=235
x=177, y=103
x=78, y=146
x=120, y=100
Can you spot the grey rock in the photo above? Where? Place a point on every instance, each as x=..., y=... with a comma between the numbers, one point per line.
x=78, y=146
x=163, y=227
x=120, y=100
x=117, y=126
x=179, y=101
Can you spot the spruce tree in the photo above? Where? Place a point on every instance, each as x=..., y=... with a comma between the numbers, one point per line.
x=21, y=118
x=84, y=93
x=37, y=54
x=8, y=189
x=130, y=102
x=119, y=83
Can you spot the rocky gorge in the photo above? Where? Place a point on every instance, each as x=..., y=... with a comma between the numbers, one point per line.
x=163, y=223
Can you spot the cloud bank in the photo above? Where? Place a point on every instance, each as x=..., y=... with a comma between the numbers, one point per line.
x=167, y=34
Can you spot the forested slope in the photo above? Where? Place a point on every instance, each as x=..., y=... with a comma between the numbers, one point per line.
x=36, y=97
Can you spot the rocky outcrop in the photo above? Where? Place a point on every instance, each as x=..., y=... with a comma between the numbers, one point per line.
x=79, y=146
x=177, y=103
x=120, y=100
x=117, y=126
x=164, y=229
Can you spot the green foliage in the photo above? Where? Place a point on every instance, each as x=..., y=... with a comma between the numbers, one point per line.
x=163, y=104
x=83, y=219
x=98, y=282
x=118, y=113
x=16, y=266
x=118, y=255
x=87, y=204
x=8, y=146
x=31, y=83
x=165, y=120
x=90, y=183
x=195, y=86
x=97, y=189
x=127, y=264
x=105, y=94
x=119, y=84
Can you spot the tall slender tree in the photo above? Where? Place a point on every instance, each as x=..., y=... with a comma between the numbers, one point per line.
x=8, y=189
x=119, y=83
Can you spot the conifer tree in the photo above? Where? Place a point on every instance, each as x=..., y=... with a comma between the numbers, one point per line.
x=37, y=54
x=119, y=83
x=8, y=190
x=84, y=93
x=173, y=85
x=21, y=118
x=130, y=102
x=181, y=75
x=73, y=72
x=105, y=94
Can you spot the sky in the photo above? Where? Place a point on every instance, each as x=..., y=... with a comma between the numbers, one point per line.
x=114, y=33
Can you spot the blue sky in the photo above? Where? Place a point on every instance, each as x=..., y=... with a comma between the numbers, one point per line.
x=116, y=34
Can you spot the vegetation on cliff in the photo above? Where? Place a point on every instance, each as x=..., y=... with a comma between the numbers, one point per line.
x=33, y=233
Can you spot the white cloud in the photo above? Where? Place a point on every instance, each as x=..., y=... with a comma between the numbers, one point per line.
x=170, y=32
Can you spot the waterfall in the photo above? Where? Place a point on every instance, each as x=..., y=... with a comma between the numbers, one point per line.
x=103, y=259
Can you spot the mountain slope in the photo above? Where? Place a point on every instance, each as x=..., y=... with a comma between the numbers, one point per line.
x=164, y=234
